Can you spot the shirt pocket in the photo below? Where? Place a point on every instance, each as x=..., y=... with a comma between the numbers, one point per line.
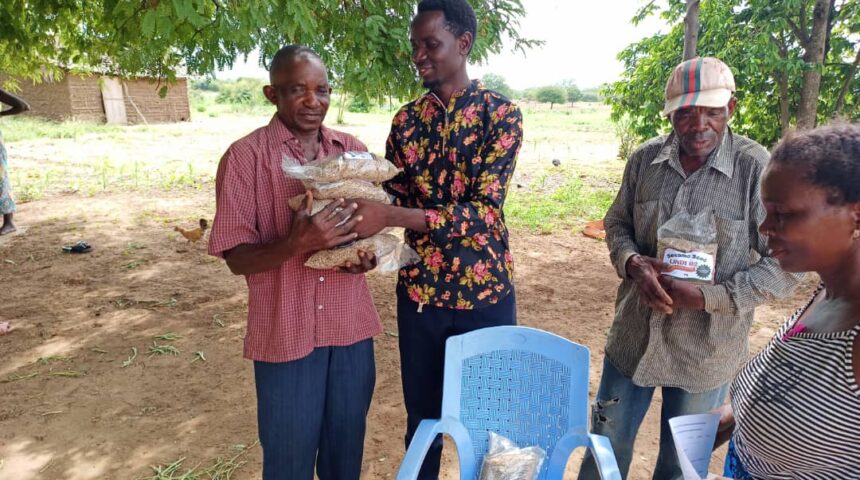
x=733, y=247
x=645, y=218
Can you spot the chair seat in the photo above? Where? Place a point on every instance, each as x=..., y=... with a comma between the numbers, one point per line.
x=526, y=384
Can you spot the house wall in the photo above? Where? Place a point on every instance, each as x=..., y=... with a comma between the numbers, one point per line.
x=47, y=99
x=80, y=98
x=86, y=98
x=142, y=99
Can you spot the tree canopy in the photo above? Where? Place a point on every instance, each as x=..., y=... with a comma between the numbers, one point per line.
x=573, y=93
x=551, y=94
x=364, y=42
x=765, y=42
x=496, y=82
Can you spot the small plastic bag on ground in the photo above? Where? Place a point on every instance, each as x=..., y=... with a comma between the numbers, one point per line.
x=342, y=166
x=391, y=254
x=505, y=461
x=688, y=245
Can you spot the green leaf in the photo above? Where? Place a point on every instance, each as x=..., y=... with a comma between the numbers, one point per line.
x=148, y=23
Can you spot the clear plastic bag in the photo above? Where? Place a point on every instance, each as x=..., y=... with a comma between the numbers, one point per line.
x=505, y=461
x=348, y=189
x=391, y=254
x=688, y=245
x=298, y=201
x=342, y=166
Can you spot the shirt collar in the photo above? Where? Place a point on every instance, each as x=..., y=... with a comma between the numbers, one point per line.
x=472, y=87
x=720, y=159
x=282, y=134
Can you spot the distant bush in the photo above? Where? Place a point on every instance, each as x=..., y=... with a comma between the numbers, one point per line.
x=627, y=140
x=207, y=84
x=243, y=91
x=360, y=105
x=591, y=95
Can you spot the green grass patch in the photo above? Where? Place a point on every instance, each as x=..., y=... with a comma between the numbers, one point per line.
x=556, y=200
x=30, y=128
x=168, y=337
x=157, y=349
x=222, y=468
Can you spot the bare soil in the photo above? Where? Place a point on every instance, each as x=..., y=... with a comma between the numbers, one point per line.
x=73, y=406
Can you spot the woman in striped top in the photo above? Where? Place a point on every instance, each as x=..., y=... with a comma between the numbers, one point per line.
x=795, y=407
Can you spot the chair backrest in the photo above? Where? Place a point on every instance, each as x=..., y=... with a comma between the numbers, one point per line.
x=526, y=384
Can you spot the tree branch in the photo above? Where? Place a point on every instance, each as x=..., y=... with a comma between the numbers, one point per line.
x=691, y=29
x=849, y=77
x=803, y=26
x=801, y=35
x=830, y=23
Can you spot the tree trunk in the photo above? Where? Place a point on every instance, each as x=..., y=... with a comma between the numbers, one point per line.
x=784, y=110
x=849, y=78
x=781, y=77
x=813, y=56
x=691, y=29
x=344, y=98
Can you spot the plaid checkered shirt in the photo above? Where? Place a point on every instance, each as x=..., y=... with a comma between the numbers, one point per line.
x=693, y=350
x=291, y=308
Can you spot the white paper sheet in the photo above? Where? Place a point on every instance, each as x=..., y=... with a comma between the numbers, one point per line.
x=694, y=437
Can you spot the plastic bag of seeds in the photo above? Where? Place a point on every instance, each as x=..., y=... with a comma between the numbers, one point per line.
x=298, y=202
x=505, y=461
x=342, y=166
x=688, y=245
x=348, y=189
x=391, y=254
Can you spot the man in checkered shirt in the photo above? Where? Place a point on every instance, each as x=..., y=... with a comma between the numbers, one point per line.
x=309, y=331
x=685, y=338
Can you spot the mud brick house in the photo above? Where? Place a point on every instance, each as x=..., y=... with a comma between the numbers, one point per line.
x=104, y=99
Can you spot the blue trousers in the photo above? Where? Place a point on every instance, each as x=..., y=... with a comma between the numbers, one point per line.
x=422, y=339
x=620, y=407
x=312, y=412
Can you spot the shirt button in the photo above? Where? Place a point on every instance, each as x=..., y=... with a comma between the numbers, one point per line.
x=319, y=307
x=322, y=279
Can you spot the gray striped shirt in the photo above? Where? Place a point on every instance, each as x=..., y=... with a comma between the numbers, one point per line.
x=692, y=349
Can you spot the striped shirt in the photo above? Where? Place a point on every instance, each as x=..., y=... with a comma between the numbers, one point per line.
x=692, y=349
x=797, y=407
x=292, y=309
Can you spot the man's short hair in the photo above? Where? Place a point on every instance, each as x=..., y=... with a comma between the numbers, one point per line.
x=459, y=15
x=287, y=54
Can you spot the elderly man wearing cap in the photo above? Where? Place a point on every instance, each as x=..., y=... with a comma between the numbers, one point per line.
x=689, y=339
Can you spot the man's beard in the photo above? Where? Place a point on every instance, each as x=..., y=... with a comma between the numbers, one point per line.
x=431, y=84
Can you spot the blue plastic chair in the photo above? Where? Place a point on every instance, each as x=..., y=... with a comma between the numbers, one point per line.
x=526, y=384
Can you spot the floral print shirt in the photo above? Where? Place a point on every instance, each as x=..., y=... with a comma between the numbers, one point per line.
x=457, y=161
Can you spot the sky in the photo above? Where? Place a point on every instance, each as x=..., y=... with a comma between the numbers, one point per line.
x=582, y=40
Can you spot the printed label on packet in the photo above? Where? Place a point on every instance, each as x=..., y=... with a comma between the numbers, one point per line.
x=351, y=155
x=689, y=265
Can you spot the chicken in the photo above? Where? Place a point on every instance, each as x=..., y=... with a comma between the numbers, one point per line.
x=195, y=234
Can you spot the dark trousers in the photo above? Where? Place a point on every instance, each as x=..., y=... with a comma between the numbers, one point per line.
x=312, y=412
x=422, y=357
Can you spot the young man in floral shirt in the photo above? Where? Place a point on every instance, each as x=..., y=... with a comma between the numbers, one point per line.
x=457, y=146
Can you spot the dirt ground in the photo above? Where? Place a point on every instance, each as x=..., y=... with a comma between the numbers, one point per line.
x=73, y=406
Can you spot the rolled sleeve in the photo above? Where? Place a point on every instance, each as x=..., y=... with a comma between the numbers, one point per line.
x=618, y=222
x=397, y=187
x=718, y=300
x=235, y=202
